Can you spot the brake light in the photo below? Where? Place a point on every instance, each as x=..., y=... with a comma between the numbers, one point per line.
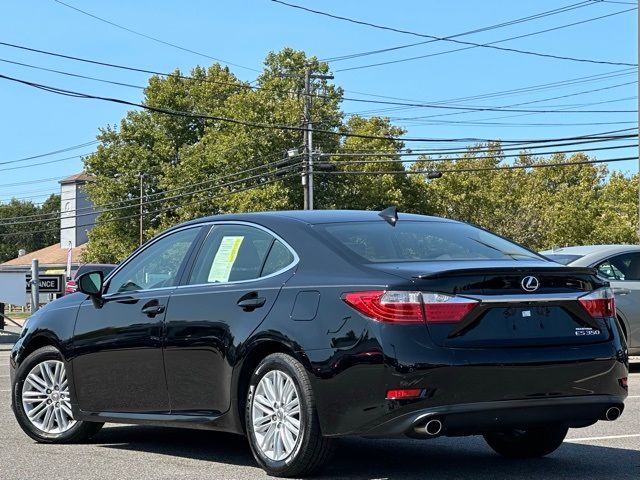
x=599, y=303
x=439, y=308
x=403, y=393
x=387, y=306
x=410, y=307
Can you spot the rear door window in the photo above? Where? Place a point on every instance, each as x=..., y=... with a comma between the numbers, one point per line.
x=233, y=253
x=279, y=258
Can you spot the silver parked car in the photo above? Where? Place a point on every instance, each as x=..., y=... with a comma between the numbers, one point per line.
x=620, y=264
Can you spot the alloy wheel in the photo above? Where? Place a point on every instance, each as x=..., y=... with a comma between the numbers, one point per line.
x=275, y=415
x=45, y=397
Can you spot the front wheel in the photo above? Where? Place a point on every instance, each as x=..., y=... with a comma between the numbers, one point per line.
x=42, y=403
x=531, y=443
x=281, y=419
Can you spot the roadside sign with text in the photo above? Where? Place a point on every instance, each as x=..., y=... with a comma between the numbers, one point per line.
x=48, y=283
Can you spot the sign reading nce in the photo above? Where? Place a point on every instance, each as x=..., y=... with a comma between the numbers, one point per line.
x=48, y=283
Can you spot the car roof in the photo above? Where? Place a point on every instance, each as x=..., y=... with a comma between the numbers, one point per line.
x=317, y=216
x=584, y=250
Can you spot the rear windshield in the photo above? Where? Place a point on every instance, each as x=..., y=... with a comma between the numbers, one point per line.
x=422, y=241
x=563, y=259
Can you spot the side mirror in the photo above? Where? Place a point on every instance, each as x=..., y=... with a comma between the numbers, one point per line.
x=90, y=283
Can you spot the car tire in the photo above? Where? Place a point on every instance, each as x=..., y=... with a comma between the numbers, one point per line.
x=44, y=413
x=531, y=443
x=279, y=398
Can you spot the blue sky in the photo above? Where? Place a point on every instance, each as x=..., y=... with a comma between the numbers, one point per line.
x=243, y=32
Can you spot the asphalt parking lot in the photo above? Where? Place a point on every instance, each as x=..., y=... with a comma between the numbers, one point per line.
x=604, y=450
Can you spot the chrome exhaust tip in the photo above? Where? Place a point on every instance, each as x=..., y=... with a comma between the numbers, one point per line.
x=433, y=427
x=612, y=413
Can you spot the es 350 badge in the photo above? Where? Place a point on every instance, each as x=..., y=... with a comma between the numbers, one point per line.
x=581, y=331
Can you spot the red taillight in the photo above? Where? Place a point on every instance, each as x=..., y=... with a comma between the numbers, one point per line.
x=599, y=303
x=410, y=307
x=403, y=393
x=389, y=306
x=624, y=382
x=439, y=308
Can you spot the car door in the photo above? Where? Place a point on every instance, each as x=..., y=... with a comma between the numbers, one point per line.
x=118, y=364
x=234, y=282
x=623, y=272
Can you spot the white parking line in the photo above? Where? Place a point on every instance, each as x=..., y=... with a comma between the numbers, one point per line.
x=596, y=439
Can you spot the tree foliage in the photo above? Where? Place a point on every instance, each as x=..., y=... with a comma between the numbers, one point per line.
x=193, y=167
x=21, y=236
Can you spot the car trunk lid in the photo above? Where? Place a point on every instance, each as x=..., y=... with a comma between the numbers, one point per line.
x=517, y=304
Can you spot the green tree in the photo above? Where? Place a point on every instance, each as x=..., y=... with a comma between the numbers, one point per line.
x=194, y=167
x=42, y=230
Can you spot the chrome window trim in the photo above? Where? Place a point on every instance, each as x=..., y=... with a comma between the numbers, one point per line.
x=296, y=258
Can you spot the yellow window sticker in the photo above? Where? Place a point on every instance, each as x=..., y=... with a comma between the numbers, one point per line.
x=224, y=259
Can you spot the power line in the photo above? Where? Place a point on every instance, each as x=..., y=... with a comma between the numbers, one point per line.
x=489, y=44
x=75, y=75
x=520, y=90
x=537, y=16
x=256, y=88
x=453, y=40
x=287, y=163
x=45, y=163
x=471, y=155
x=166, y=209
x=260, y=125
x=121, y=67
x=245, y=86
x=541, y=100
x=55, y=152
x=29, y=182
x=596, y=77
x=155, y=39
x=163, y=192
x=478, y=169
x=491, y=147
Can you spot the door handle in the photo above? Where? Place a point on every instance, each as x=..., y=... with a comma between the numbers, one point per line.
x=251, y=303
x=152, y=310
x=621, y=291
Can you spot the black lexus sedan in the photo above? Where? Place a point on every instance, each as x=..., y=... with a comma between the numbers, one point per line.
x=294, y=328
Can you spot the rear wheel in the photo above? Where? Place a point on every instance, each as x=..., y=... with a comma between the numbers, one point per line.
x=532, y=443
x=281, y=419
x=42, y=402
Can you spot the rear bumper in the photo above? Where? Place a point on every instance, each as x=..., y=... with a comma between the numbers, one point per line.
x=479, y=390
x=484, y=417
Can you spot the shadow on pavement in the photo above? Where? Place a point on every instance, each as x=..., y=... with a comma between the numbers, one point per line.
x=446, y=458
x=178, y=442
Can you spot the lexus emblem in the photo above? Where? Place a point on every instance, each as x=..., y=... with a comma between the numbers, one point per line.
x=530, y=283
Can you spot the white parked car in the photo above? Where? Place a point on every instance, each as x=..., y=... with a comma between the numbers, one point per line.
x=620, y=264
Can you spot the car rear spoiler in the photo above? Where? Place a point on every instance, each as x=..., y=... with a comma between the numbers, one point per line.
x=507, y=270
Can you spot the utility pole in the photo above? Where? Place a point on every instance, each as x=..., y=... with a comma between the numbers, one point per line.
x=307, y=167
x=35, y=286
x=141, y=193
